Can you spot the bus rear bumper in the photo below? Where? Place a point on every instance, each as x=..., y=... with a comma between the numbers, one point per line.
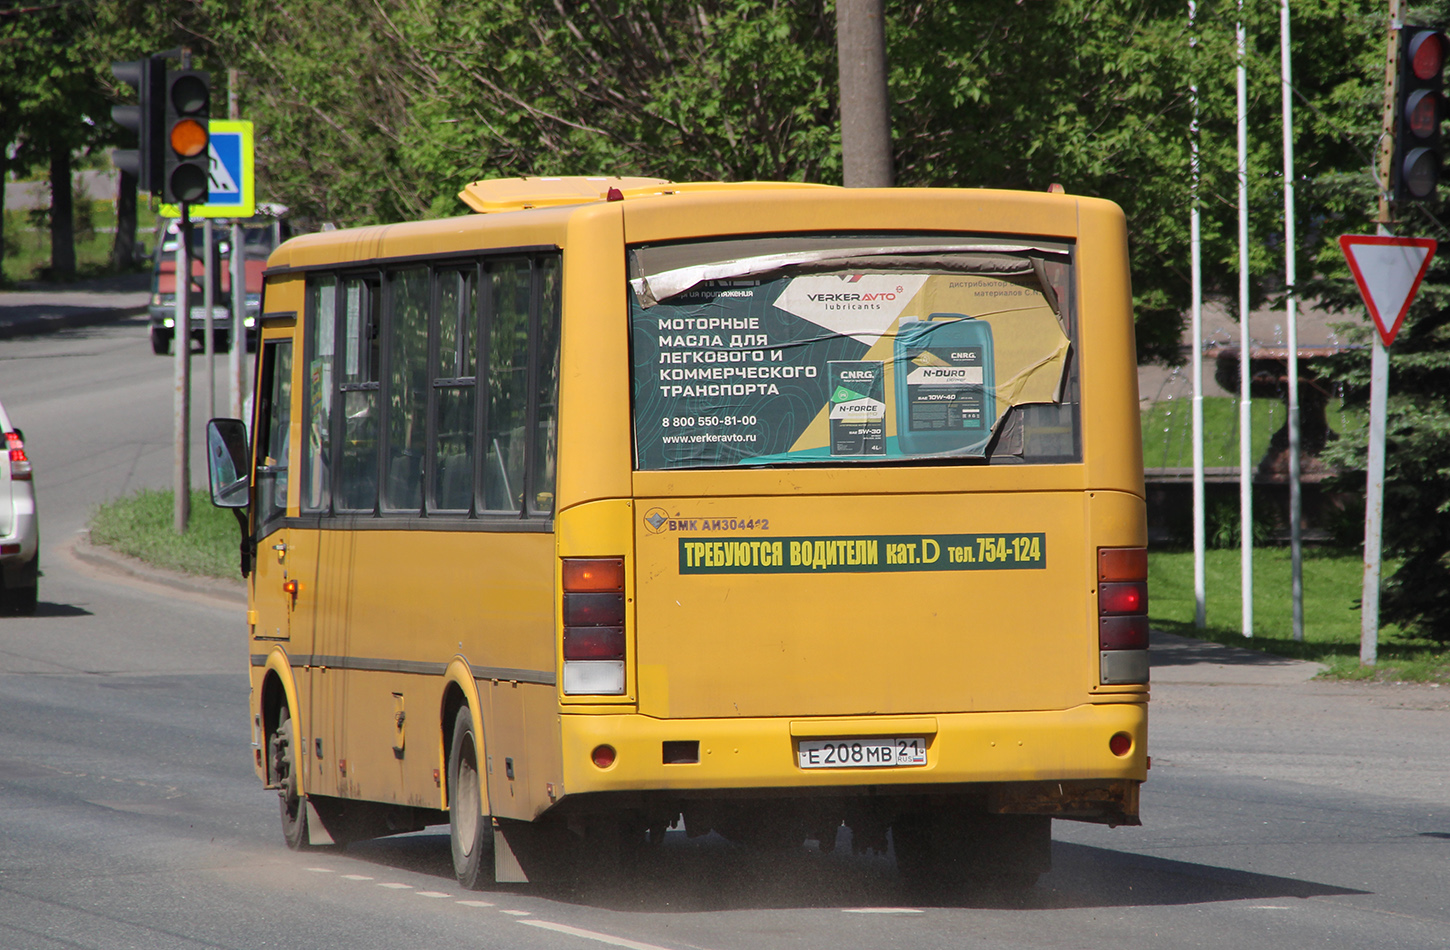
x=1013, y=759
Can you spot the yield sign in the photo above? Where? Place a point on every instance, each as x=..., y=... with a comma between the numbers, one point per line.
x=1388, y=271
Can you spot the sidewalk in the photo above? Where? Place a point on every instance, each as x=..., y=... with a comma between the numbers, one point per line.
x=42, y=308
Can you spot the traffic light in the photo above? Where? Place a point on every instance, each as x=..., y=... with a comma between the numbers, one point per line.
x=1420, y=108
x=187, y=155
x=148, y=76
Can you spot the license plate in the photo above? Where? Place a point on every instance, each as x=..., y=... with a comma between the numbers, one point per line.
x=873, y=753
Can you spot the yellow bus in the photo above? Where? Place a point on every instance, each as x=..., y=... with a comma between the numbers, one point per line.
x=756, y=508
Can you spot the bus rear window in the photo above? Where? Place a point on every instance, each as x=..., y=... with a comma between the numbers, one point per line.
x=853, y=349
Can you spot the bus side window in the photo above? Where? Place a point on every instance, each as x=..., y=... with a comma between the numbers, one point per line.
x=274, y=421
x=407, y=389
x=322, y=310
x=508, y=385
x=455, y=366
x=356, y=487
x=546, y=419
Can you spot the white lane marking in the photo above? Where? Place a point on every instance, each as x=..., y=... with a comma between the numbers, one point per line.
x=516, y=913
x=881, y=910
x=398, y=887
x=475, y=903
x=1268, y=907
x=592, y=935
x=320, y=870
x=356, y=877
x=433, y=894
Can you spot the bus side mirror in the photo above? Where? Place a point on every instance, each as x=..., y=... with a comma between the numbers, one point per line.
x=226, y=463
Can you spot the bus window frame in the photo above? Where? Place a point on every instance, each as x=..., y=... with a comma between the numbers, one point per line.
x=377, y=274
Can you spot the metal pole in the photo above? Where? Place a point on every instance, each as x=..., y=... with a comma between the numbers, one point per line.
x=239, y=279
x=1195, y=242
x=1296, y=541
x=239, y=327
x=208, y=300
x=1246, y=474
x=1374, y=500
x=181, y=379
x=865, y=107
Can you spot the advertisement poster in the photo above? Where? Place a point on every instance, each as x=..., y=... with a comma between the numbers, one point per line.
x=839, y=367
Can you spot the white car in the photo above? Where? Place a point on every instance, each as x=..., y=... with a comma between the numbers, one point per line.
x=19, y=525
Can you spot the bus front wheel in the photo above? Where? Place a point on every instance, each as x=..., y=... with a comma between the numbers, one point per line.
x=469, y=830
x=282, y=762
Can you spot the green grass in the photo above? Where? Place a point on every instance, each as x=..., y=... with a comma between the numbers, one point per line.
x=1168, y=430
x=27, y=240
x=140, y=525
x=1332, y=584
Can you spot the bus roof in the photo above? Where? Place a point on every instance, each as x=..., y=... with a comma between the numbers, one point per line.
x=521, y=194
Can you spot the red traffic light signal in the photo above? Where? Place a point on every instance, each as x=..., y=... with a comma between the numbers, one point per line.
x=1419, y=108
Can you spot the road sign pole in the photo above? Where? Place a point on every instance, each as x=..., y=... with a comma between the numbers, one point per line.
x=208, y=298
x=239, y=328
x=181, y=379
x=1374, y=500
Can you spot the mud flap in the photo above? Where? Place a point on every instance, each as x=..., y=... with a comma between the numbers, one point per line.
x=316, y=831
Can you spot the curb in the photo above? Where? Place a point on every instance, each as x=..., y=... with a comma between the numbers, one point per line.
x=225, y=591
x=35, y=326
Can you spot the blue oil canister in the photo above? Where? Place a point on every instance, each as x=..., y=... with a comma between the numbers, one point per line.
x=945, y=384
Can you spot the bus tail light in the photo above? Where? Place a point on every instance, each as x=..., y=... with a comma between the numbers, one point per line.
x=1123, y=615
x=19, y=461
x=593, y=612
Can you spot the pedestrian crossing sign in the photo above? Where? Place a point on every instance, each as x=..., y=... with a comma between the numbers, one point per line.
x=232, y=186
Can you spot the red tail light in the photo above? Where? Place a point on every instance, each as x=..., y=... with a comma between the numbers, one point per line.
x=1122, y=598
x=19, y=461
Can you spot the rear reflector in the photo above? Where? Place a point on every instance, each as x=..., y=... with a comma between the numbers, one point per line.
x=1122, y=564
x=602, y=756
x=1120, y=744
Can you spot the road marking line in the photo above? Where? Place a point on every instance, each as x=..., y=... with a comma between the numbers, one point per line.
x=320, y=870
x=357, y=877
x=881, y=910
x=1268, y=907
x=592, y=935
x=433, y=894
x=398, y=887
x=475, y=903
x=516, y=913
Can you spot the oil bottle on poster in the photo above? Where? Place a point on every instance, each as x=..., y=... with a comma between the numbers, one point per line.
x=945, y=384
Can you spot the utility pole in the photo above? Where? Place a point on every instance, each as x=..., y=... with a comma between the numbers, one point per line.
x=865, y=108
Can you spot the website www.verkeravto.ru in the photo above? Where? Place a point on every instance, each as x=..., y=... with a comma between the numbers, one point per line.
x=708, y=437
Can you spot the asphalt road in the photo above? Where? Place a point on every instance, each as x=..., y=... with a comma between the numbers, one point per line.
x=1280, y=812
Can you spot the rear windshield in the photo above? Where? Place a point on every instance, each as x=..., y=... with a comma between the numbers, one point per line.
x=853, y=349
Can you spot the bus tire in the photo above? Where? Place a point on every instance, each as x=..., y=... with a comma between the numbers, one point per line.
x=282, y=763
x=470, y=832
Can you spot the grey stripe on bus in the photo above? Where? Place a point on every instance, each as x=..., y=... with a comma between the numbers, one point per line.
x=482, y=673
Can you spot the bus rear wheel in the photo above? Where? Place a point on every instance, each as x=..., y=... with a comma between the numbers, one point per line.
x=469, y=830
